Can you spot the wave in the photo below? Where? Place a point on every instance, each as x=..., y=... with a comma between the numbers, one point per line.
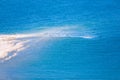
x=11, y=45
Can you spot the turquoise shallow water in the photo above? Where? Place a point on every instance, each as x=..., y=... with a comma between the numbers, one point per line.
x=68, y=58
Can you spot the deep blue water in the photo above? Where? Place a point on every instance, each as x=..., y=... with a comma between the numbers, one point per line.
x=64, y=58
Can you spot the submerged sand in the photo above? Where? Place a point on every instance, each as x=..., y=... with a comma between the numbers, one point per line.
x=11, y=45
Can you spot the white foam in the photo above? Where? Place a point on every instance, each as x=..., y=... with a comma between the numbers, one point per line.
x=10, y=44
x=16, y=43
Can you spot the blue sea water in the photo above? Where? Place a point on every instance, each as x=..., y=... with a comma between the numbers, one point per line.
x=64, y=58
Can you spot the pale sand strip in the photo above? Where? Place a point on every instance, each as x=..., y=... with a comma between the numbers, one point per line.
x=16, y=43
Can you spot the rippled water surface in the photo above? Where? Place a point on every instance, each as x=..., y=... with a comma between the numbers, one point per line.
x=59, y=39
